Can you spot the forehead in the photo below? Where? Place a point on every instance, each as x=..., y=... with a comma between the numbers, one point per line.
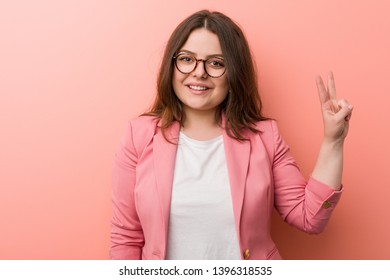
x=202, y=42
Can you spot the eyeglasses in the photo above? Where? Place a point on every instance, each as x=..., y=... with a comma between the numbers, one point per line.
x=213, y=66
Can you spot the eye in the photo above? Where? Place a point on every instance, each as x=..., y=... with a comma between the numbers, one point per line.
x=185, y=58
x=216, y=62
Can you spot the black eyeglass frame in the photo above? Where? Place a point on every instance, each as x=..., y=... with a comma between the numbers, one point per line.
x=196, y=65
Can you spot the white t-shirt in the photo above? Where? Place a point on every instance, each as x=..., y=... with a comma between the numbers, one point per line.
x=201, y=223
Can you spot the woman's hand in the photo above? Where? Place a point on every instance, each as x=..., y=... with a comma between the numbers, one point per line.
x=335, y=113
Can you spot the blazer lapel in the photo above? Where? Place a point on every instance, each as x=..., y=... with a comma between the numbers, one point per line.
x=164, y=154
x=237, y=159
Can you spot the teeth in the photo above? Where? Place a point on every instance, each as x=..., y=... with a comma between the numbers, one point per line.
x=198, y=87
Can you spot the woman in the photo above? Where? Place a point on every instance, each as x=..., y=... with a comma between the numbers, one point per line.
x=198, y=175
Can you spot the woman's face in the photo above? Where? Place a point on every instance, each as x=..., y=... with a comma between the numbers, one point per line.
x=199, y=92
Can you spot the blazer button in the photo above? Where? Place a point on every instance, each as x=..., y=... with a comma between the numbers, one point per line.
x=247, y=254
x=326, y=205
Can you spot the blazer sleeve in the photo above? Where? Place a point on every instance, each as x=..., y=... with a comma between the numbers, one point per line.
x=126, y=237
x=307, y=205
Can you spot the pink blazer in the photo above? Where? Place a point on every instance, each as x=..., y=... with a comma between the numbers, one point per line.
x=262, y=174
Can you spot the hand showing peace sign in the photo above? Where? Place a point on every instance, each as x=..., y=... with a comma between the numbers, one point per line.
x=335, y=113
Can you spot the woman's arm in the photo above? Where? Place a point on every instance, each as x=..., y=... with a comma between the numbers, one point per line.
x=127, y=238
x=336, y=115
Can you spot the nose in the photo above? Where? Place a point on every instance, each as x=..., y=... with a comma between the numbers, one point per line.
x=199, y=70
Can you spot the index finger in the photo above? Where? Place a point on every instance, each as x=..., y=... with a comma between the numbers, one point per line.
x=322, y=92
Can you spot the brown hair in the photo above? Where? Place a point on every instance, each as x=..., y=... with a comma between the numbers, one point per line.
x=242, y=106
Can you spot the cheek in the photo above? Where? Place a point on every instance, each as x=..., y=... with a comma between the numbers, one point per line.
x=223, y=86
x=177, y=80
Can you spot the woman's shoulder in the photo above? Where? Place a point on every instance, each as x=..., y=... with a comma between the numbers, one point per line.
x=266, y=126
x=268, y=131
x=142, y=127
x=270, y=136
x=139, y=131
x=144, y=121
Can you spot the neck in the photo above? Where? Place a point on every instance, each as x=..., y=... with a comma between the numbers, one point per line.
x=201, y=125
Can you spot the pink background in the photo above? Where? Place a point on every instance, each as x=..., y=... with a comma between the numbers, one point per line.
x=73, y=72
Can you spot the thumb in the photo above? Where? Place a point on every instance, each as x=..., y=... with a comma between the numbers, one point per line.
x=345, y=110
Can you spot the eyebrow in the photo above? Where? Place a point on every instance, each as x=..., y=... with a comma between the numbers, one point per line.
x=190, y=52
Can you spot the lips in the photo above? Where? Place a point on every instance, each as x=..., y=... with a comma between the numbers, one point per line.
x=197, y=87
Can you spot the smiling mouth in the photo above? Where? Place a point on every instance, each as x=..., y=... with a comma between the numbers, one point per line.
x=199, y=88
